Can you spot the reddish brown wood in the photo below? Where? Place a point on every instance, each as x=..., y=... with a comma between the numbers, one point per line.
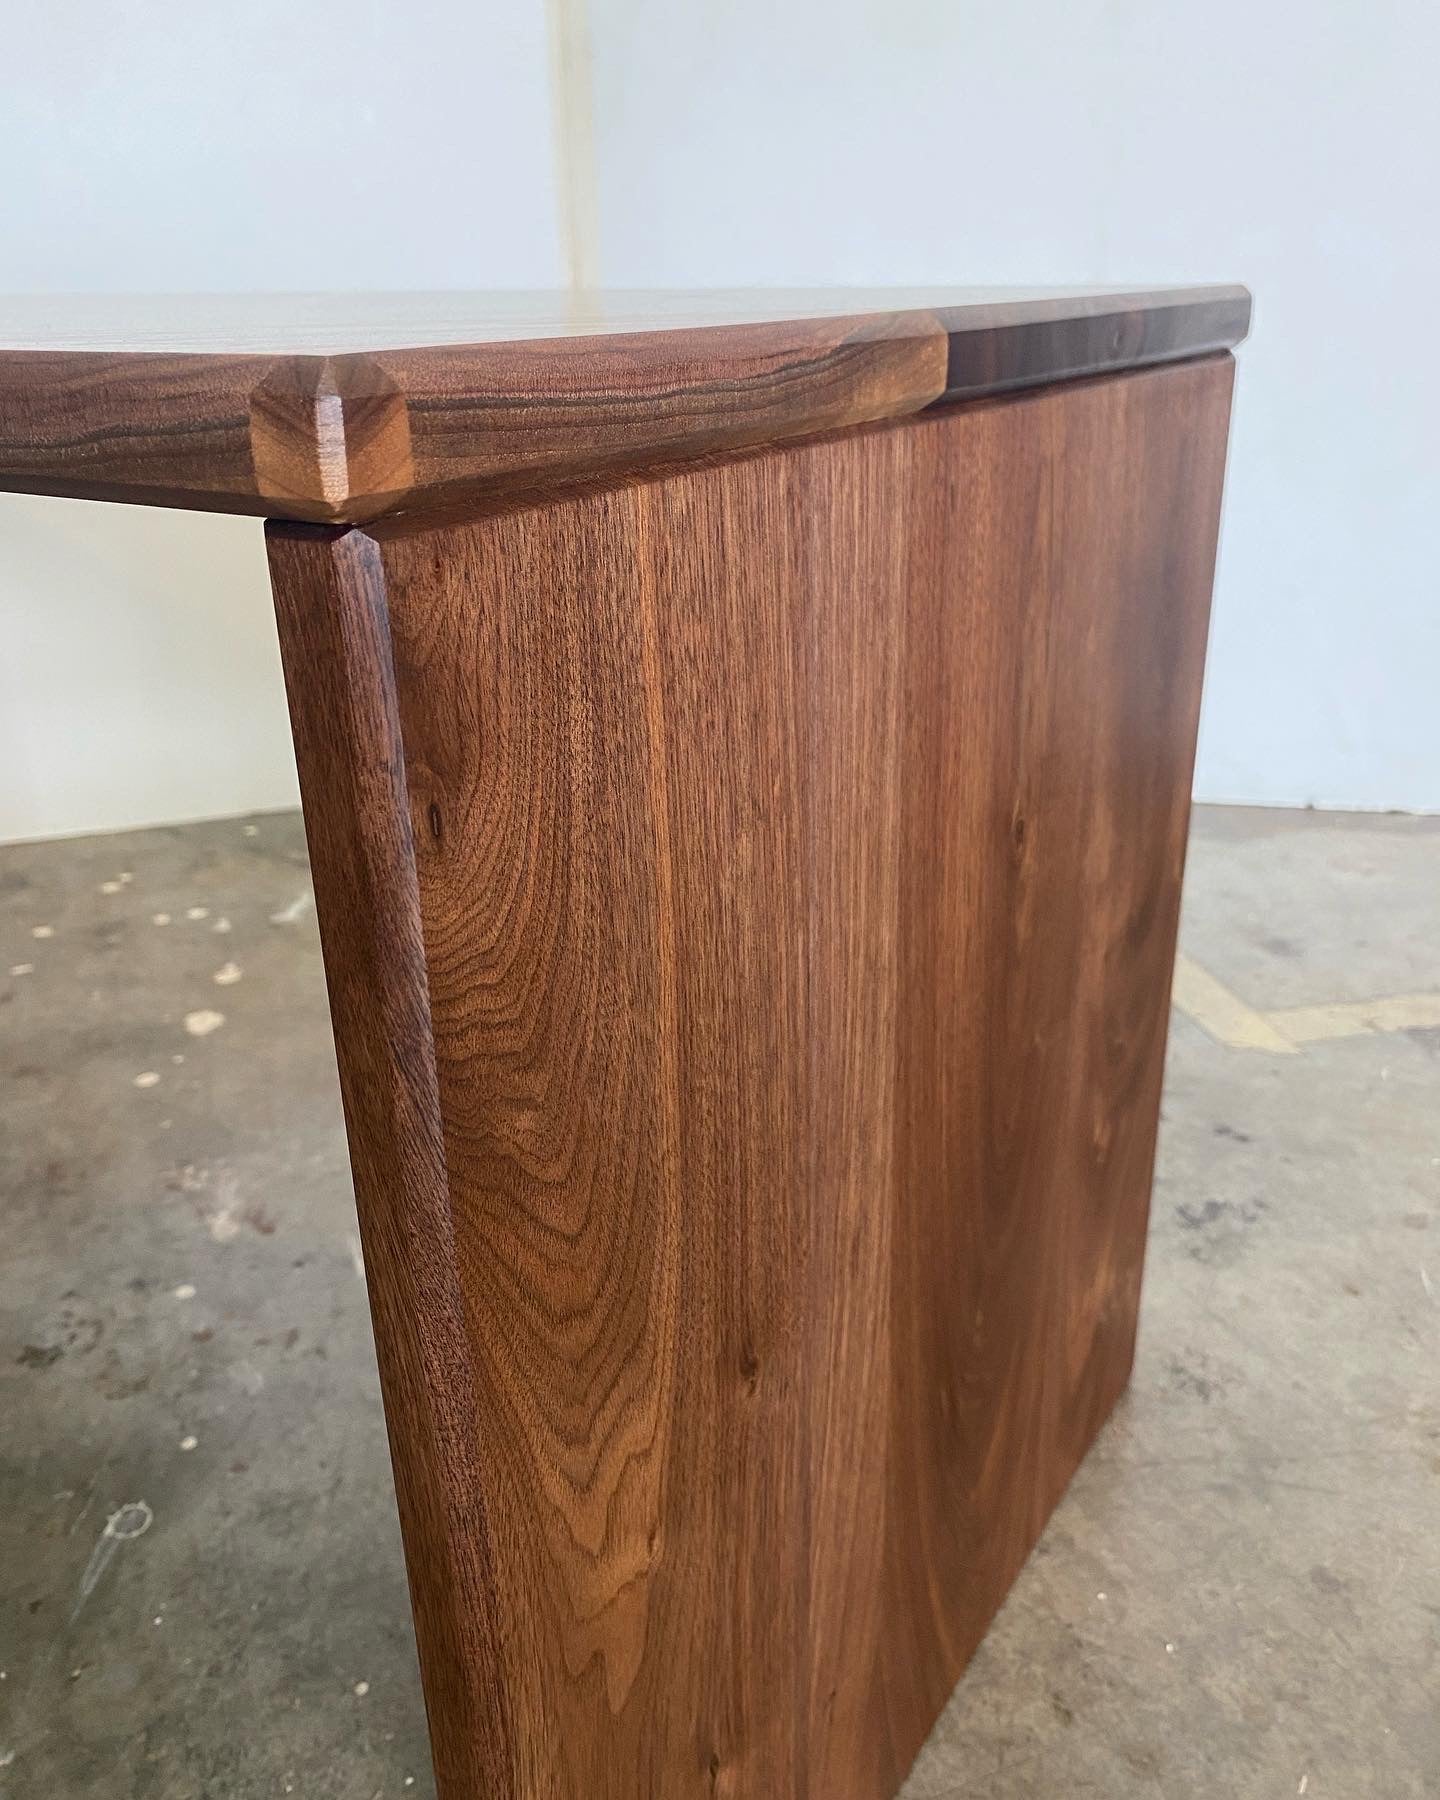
x=347, y=408
x=749, y=896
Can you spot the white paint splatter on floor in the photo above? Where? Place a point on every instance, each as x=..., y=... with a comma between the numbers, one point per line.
x=161, y=918
x=132, y=1520
x=185, y=1291
x=295, y=911
x=42, y=931
x=22, y=968
x=197, y=912
x=202, y=1022
x=147, y=1078
x=248, y=1378
x=227, y=975
x=225, y=1220
x=224, y=1225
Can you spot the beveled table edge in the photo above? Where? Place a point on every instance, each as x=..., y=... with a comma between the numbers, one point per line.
x=350, y=436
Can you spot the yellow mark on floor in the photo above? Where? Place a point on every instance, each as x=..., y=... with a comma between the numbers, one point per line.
x=1357, y=1018
x=1224, y=1016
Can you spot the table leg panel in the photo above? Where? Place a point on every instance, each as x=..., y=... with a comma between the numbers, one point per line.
x=749, y=894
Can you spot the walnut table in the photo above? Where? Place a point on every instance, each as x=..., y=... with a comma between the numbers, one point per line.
x=746, y=747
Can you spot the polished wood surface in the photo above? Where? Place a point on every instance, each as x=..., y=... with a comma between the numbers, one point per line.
x=749, y=896
x=349, y=407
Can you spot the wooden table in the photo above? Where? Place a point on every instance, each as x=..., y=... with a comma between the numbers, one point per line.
x=746, y=746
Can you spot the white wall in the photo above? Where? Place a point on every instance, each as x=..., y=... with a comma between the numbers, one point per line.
x=1294, y=149
x=200, y=145
x=141, y=680
x=189, y=144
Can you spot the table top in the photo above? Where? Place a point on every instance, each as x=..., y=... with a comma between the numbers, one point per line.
x=343, y=407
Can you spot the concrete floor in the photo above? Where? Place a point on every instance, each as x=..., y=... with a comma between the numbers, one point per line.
x=201, y=1590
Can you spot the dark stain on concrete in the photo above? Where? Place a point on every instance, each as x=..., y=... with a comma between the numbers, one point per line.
x=1196, y=1218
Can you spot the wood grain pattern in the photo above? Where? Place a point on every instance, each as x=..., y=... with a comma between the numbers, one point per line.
x=346, y=409
x=749, y=896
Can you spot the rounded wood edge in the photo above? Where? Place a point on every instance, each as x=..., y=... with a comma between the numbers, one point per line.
x=356, y=437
